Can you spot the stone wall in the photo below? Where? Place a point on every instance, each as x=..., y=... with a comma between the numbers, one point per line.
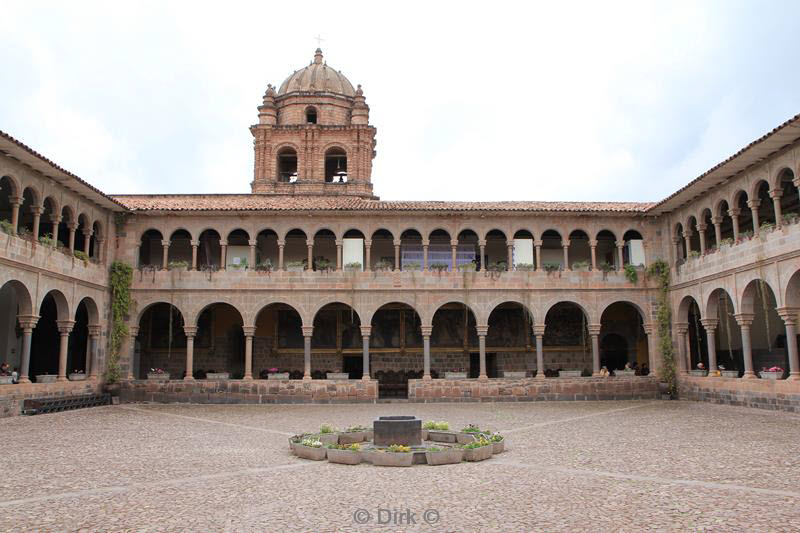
x=13, y=396
x=760, y=393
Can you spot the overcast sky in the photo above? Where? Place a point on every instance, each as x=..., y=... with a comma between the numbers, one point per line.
x=472, y=101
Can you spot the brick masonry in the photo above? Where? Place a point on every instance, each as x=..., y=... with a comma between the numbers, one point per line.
x=759, y=393
x=13, y=396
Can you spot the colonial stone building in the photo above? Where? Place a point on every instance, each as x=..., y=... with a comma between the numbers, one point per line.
x=313, y=275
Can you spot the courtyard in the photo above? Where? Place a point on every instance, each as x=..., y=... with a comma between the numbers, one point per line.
x=568, y=466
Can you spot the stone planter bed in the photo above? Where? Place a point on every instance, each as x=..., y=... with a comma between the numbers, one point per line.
x=278, y=375
x=514, y=375
x=344, y=457
x=699, y=373
x=218, y=375
x=46, y=378
x=6, y=380
x=307, y=452
x=444, y=457
x=569, y=373
x=478, y=454
x=729, y=373
x=158, y=377
x=383, y=458
x=77, y=376
x=771, y=375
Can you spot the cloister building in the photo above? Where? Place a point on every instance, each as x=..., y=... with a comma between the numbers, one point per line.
x=311, y=274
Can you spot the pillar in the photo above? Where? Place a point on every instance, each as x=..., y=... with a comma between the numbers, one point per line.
x=789, y=316
x=94, y=352
x=339, y=255
x=396, y=255
x=426, y=351
x=424, y=256
x=310, y=245
x=776, y=194
x=593, y=248
x=717, y=221
x=651, y=330
x=676, y=242
x=15, y=202
x=281, y=245
x=307, y=332
x=365, y=332
x=538, y=332
x=538, y=246
x=249, y=332
x=27, y=323
x=190, y=332
x=734, y=214
x=195, y=244
x=55, y=220
x=482, y=247
x=594, y=332
x=687, y=240
x=133, y=331
x=252, y=261
x=620, y=255
x=701, y=231
x=87, y=239
x=682, y=331
x=565, y=245
x=64, y=328
x=37, y=217
x=745, y=320
x=164, y=254
x=223, y=255
x=710, y=325
x=453, y=252
x=754, y=205
x=510, y=257
x=367, y=256
x=482, y=330
x=72, y=227
x=136, y=255
x=100, y=249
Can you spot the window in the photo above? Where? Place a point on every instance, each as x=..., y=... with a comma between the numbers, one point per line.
x=311, y=115
x=287, y=165
x=335, y=166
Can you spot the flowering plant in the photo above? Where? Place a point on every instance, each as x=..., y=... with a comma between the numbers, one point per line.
x=273, y=370
x=77, y=371
x=311, y=443
x=156, y=370
x=772, y=369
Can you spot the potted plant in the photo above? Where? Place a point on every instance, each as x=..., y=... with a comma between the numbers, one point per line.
x=411, y=267
x=322, y=264
x=468, y=434
x=580, y=266
x=479, y=450
x=725, y=373
x=700, y=371
x=6, y=227
x=498, y=442
x=443, y=456
x=77, y=375
x=310, y=448
x=631, y=274
x=83, y=256
x=516, y=374
x=274, y=374
x=456, y=374
x=355, y=266
x=726, y=242
x=525, y=267
x=295, y=266
x=773, y=373
x=345, y=454
x=218, y=375
x=467, y=267
x=180, y=266
x=569, y=373
x=383, y=265
x=328, y=434
x=353, y=434
x=551, y=267
x=393, y=455
x=264, y=266
x=439, y=267
x=440, y=432
x=337, y=375
x=46, y=378
x=157, y=374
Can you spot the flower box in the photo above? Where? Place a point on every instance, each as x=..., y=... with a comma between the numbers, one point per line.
x=381, y=458
x=464, y=437
x=569, y=373
x=699, y=373
x=478, y=454
x=77, y=376
x=328, y=438
x=218, y=375
x=46, y=378
x=498, y=446
x=729, y=373
x=344, y=457
x=295, y=268
x=351, y=437
x=514, y=375
x=6, y=380
x=445, y=457
x=337, y=375
x=424, y=434
x=437, y=435
x=764, y=374
x=627, y=373
x=278, y=375
x=455, y=375
x=307, y=452
x=158, y=377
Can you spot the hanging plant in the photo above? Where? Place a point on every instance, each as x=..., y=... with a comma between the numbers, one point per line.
x=631, y=274
x=660, y=271
x=121, y=278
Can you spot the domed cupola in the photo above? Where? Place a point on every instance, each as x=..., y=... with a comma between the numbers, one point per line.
x=317, y=77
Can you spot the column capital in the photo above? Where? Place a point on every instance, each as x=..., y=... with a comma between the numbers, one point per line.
x=481, y=242
x=788, y=314
x=27, y=321
x=426, y=330
x=308, y=331
x=87, y=232
x=367, y=242
x=620, y=244
x=744, y=319
x=366, y=331
x=15, y=201
x=538, y=330
x=710, y=323
x=701, y=227
x=396, y=242
x=453, y=242
x=310, y=242
x=753, y=204
x=249, y=331
x=592, y=243
x=734, y=212
x=425, y=242
x=339, y=242
x=194, y=243
x=65, y=326
x=649, y=328
x=36, y=209
x=95, y=330
x=594, y=329
x=716, y=220
x=281, y=242
x=133, y=331
x=482, y=330
x=676, y=240
x=223, y=243
x=165, y=243
x=775, y=193
x=687, y=234
x=72, y=226
x=190, y=331
x=252, y=242
x=565, y=243
x=681, y=327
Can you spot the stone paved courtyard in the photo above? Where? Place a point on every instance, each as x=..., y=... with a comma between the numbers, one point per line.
x=619, y=466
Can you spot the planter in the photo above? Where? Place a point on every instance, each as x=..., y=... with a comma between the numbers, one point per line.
x=771, y=375
x=455, y=375
x=296, y=268
x=329, y=438
x=514, y=375
x=307, y=452
x=424, y=434
x=158, y=377
x=729, y=373
x=344, y=457
x=351, y=437
x=113, y=389
x=465, y=438
x=278, y=375
x=437, y=435
x=46, y=378
x=6, y=380
x=392, y=458
x=337, y=375
x=625, y=373
x=445, y=457
x=218, y=375
x=499, y=447
x=77, y=376
x=478, y=454
x=569, y=373
x=699, y=373
x=466, y=268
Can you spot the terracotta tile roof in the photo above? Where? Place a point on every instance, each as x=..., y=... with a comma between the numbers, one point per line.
x=263, y=202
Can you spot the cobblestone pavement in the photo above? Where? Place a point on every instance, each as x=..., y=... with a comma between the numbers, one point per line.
x=598, y=466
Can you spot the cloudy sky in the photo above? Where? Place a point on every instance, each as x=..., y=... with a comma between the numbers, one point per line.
x=472, y=101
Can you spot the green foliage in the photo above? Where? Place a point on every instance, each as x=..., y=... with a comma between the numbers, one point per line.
x=551, y=267
x=631, y=274
x=355, y=265
x=479, y=443
x=327, y=428
x=728, y=241
x=295, y=264
x=83, y=256
x=524, y=267
x=467, y=267
x=384, y=265
x=175, y=265
x=439, y=267
x=47, y=240
x=789, y=218
x=121, y=278
x=606, y=267
x=398, y=448
x=580, y=265
x=471, y=428
x=355, y=447
x=767, y=226
x=6, y=227
x=440, y=426
x=660, y=271
x=322, y=264
x=411, y=266
x=355, y=428
x=694, y=254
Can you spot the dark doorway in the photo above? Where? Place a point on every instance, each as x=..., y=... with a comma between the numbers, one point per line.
x=613, y=352
x=475, y=365
x=354, y=366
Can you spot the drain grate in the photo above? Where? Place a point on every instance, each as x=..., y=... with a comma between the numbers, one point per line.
x=38, y=406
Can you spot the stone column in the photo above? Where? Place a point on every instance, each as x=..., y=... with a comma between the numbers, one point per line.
x=72, y=227
x=397, y=255
x=620, y=255
x=223, y=255
x=482, y=249
x=249, y=332
x=87, y=240
x=195, y=244
x=701, y=231
x=676, y=243
x=710, y=325
x=310, y=245
x=37, y=218
x=365, y=332
x=510, y=257
x=789, y=316
x=734, y=214
x=593, y=248
x=482, y=331
x=538, y=332
x=776, y=194
x=424, y=256
x=307, y=332
x=745, y=320
x=426, y=350
x=338, y=255
x=682, y=331
x=565, y=245
x=252, y=261
x=651, y=330
x=717, y=221
x=27, y=323
x=687, y=240
x=754, y=205
x=453, y=250
x=190, y=332
x=133, y=332
x=94, y=353
x=64, y=329
x=164, y=254
x=538, y=246
x=100, y=251
x=136, y=255
x=367, y=256
x=594, y=332
x=15, y=202
x=281, y=245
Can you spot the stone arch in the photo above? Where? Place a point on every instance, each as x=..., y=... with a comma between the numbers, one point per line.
x=368, y=313
x=791, y=297
x=92, y=310
x=161, y=326
x=624, y=320
x=195, y=315
x=63, y=311
x=638, y=306
x=712, y=301
x=683, y=307
x=23, y=296
x=320, y=304
x=13, y=185
x=299, y=309
x=559, y=300
x=749, y=297
x=488, y=309
x=430, y=311
x=335, y=163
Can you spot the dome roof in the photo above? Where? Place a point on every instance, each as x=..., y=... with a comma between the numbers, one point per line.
x=317, y=77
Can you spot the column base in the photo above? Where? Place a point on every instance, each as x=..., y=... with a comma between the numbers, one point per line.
x=60, y=378
x=23, y=381
x=306, y=378
x=484, y=377
x=427, y=377
x=365, y=378
x=749, y=375
x=793, y=376
x=247, y=378
x=188, y=378
x=714, y=374
x=540, y=375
